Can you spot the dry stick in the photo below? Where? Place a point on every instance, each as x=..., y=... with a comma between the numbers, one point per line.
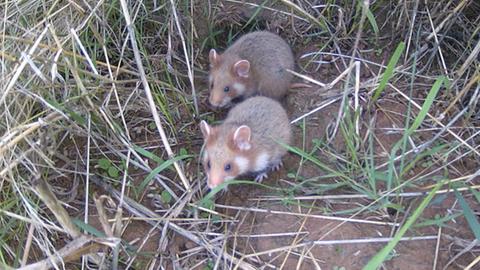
x=47, y=196
x=473, y=80
x=442, y=24
x=473, y=263
x=341, y=242
x=307, y=78
x=303, y=12
x=357, y=90
x=83, y=50
x=148, y=93
x=469, y=60
x=185, y=52
x=87, y=178
x=268, y=211
x=74, y=250
x=437, y=248
x=268, y=8
x=26, y=250
x=22, y=65
x=269, y=235
x=362, y=196
x=438, y=43
x=102, y=216
x=410, y=32
x=371, y=240
x=322, y=106
x=14, y=163
x=32, y=221
x=326, y=86
x=52, y=117
x=468, y=248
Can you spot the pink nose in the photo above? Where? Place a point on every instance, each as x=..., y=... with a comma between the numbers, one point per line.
x=215, y=101
x=214, y=182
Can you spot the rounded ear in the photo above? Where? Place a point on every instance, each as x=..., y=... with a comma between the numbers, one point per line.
x=242, y=68
x=206, y=129
x=242, y=136
x=213, y=57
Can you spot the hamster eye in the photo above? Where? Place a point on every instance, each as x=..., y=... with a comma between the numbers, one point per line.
x=211, y=85
x=226, y=89
x=208, y=164
x=228, y=167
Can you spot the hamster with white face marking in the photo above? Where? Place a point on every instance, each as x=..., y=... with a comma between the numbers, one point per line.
x=246, y=142
x=255, y=64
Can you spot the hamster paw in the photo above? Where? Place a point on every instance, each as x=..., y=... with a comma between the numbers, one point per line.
x=277, y=166
x=259, y=178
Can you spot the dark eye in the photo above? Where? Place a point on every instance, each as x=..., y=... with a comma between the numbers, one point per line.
x=211, y=85
x=228, y=167
x=226, y=89
x=208, y=164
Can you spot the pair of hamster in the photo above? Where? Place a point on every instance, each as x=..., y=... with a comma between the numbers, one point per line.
x=247, y=142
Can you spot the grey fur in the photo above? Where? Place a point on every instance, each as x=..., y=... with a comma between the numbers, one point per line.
x=268, y=122
x=269, y=56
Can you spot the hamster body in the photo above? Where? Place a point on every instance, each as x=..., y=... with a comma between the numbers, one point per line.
x=255, y=64
x=246, y=142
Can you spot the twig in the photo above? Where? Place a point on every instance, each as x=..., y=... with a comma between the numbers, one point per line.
x=52, y=117
x=362, y=196
x=269, y=211
x=79, y=247
x=306, y=14
x=47, y=196
x=22, y=65
x=340, y=242
x=437, y=248
x=187, y=61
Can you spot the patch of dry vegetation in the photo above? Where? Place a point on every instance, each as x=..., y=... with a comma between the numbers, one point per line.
x=99, y=145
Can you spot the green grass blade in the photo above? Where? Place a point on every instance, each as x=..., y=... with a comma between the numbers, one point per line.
x=381, y=256
x=159, y=169
x=373, y=22
x=416, y=123
x=426, y=105
x=148, y=154
x=314, y=160
x=469, y=215
x=389, y=71
x=87, y=228
x=220, y=187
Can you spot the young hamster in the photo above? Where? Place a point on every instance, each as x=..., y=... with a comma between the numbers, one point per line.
x=255, y=64
x=246, y=142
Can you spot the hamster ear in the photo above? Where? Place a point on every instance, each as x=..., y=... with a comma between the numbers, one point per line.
x=242, y=68
x=206, y=129
x=213, y=57
x=241, y=137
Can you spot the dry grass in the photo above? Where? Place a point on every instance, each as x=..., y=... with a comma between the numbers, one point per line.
x=99, y=143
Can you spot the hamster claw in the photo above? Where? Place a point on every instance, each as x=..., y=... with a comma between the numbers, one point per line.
x=277, y=166
x=259, y=178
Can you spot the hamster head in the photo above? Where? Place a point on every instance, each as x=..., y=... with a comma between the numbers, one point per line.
x=228, y=79
x=225, y=153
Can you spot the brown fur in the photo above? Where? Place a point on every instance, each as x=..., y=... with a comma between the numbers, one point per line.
x=269, y=57
x=267, y=121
